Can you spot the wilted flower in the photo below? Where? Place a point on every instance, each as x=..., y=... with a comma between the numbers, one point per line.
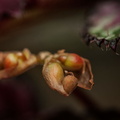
x=65, y=71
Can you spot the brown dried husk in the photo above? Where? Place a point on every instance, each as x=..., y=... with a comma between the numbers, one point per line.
x=85, y=76
x=70, y=80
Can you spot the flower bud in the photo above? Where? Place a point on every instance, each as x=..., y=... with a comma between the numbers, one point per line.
x=69, y=83
x=65, y=71
x=10, y=60
x=21, y=56
x=71, y=61
x=53, y=74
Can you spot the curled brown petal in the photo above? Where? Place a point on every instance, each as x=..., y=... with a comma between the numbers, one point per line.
x=86, y=76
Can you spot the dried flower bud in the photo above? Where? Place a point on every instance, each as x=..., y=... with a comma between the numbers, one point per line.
x=15, y=63
x=10, y=60
x=70, y=83
x=71, y=61
x=53, y=74
x=65, y=71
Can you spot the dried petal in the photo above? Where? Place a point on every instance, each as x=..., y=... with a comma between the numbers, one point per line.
x=86, y=76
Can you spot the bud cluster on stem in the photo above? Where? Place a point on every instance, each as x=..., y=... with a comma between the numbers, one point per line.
x=14, y=63
x=62, y=71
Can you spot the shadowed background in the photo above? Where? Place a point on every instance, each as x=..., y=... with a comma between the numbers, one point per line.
x=53, y=30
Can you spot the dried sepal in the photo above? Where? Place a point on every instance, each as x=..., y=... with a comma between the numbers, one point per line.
x=42, y=56
x=86, y=76
x=25, y=60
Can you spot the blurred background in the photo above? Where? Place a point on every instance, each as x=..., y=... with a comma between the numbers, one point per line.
x=53, y=25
